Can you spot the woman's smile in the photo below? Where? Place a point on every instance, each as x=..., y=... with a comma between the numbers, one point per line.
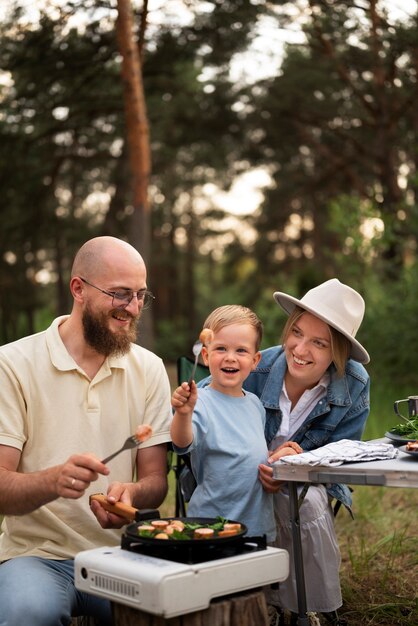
x=309, y=336
x=299, y=361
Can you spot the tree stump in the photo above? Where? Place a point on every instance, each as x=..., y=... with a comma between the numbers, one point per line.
x=245, y=609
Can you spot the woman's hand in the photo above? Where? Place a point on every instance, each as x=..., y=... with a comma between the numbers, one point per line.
x=285, y=449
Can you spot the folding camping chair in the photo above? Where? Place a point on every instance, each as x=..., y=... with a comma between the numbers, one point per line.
x=185, y=482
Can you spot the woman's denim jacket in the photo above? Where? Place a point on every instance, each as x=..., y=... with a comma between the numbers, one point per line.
x=340, y=415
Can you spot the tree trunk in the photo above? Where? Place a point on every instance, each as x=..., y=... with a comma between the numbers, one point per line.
x=137, y=133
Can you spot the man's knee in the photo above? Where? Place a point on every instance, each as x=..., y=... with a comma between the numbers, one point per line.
x=28, y=595
x=20, y=612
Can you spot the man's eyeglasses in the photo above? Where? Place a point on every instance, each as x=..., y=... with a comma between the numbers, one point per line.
x=121, y=299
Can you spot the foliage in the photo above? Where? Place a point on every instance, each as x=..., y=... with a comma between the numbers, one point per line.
x=171, y=339
x=389, y=330
x=334, y=127
x=337, y=122
x=71, y=155
x=57, y=155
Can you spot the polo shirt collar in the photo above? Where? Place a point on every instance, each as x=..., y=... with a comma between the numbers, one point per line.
x=60, y=357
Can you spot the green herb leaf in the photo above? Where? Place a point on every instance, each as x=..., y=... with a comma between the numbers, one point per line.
x=408, y=429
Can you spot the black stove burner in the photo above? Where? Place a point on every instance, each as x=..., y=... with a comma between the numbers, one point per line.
x=196, y=553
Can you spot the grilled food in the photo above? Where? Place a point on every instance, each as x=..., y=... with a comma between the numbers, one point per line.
x=412, y=446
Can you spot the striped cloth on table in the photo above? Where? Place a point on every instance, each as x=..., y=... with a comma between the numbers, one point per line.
x=344, y=451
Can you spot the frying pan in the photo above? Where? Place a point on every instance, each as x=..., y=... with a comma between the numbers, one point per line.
x=132, y=532
x=139, y=515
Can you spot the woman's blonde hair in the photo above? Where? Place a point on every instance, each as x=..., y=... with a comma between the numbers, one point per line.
x=340, y=345
x=234, y=314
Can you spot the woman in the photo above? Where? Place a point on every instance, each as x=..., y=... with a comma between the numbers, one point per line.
x=315, y=391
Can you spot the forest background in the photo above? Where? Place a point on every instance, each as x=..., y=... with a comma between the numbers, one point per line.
x=327, y=122
x=281, y=152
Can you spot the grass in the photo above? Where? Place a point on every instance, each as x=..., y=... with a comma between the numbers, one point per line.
x=379, y=548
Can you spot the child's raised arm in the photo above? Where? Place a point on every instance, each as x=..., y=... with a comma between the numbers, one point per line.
x=183, y=401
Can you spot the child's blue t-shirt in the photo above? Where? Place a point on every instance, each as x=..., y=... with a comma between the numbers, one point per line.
x=228, y=446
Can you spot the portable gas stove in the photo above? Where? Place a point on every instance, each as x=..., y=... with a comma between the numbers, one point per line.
x=168, y=587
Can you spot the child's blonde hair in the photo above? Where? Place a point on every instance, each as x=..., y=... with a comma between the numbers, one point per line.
x=234, y=314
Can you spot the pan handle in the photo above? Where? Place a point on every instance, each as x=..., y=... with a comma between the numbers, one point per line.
x=125, y=510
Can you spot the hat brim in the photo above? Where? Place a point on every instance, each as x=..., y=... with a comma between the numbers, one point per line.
x=288, y=303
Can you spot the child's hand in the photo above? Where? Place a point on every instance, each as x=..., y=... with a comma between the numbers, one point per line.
x=287, y=448
x=184, y=397
x=265, y=476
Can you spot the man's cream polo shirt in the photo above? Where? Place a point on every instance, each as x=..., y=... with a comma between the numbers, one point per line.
x=50, y=410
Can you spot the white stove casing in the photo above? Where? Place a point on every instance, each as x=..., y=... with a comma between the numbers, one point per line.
x=168, y=588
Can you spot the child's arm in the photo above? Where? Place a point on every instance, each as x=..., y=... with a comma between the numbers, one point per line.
x=183, y=401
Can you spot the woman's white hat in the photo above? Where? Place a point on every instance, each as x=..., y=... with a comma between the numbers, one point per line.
x=338, y=305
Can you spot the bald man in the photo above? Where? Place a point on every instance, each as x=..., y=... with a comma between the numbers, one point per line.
x=70, y=396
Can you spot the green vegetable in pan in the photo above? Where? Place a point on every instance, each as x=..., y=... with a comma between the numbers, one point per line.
x=178, y=529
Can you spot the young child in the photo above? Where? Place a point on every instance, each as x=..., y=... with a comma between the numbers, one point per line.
x=222, y=426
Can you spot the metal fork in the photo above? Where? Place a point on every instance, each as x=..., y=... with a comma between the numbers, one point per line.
x=131, y=442
x=197, y=349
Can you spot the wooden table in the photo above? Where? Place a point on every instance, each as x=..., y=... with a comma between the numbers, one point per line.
x=401, y=471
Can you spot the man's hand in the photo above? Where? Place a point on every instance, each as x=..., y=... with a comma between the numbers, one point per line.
x=23, y=493
x=76, y=475
x=147, y=493
x=118, y=492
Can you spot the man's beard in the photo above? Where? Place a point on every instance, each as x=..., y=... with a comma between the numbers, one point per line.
x=99, y=337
